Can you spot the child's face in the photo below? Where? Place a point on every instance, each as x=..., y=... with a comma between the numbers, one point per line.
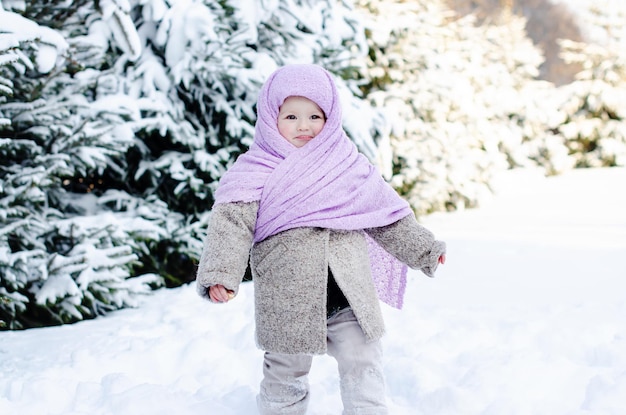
x=300, y=120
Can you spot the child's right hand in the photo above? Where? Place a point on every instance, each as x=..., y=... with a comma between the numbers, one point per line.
x=219, y=294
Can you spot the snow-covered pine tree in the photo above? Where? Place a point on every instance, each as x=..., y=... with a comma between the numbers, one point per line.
x=452, y=91
x=117, y=131
x=594, y=106
x=60, y=260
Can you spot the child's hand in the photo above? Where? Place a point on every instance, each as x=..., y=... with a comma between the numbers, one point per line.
x=442, y=259
x=220, y=294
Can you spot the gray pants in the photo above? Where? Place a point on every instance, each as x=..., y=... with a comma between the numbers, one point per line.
x=285, y=386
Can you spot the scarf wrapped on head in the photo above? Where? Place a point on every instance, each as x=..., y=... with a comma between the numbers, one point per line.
x=326, y=183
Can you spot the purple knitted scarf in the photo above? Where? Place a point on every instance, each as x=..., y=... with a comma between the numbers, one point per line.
x=326, y=183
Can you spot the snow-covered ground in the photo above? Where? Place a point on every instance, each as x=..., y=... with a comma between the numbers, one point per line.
x=528, y=316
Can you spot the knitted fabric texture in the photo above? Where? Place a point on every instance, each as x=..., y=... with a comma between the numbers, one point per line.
x=326, y=183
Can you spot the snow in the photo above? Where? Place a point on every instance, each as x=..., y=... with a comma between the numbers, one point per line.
x=526, y=317
x=16, y=28
x=588, y=11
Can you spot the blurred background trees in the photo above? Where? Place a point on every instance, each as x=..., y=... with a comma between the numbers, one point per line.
x=546, y=22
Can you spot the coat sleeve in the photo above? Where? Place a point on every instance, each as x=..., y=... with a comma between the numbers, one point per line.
x=227, y=246
x=411, y=243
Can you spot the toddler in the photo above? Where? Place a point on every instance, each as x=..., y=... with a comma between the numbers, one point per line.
x=326, y=238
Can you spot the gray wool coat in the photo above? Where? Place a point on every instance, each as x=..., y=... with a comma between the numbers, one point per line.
x=290, y=272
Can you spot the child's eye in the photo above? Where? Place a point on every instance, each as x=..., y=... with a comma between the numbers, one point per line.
x=316, y=117
x=290, y=117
